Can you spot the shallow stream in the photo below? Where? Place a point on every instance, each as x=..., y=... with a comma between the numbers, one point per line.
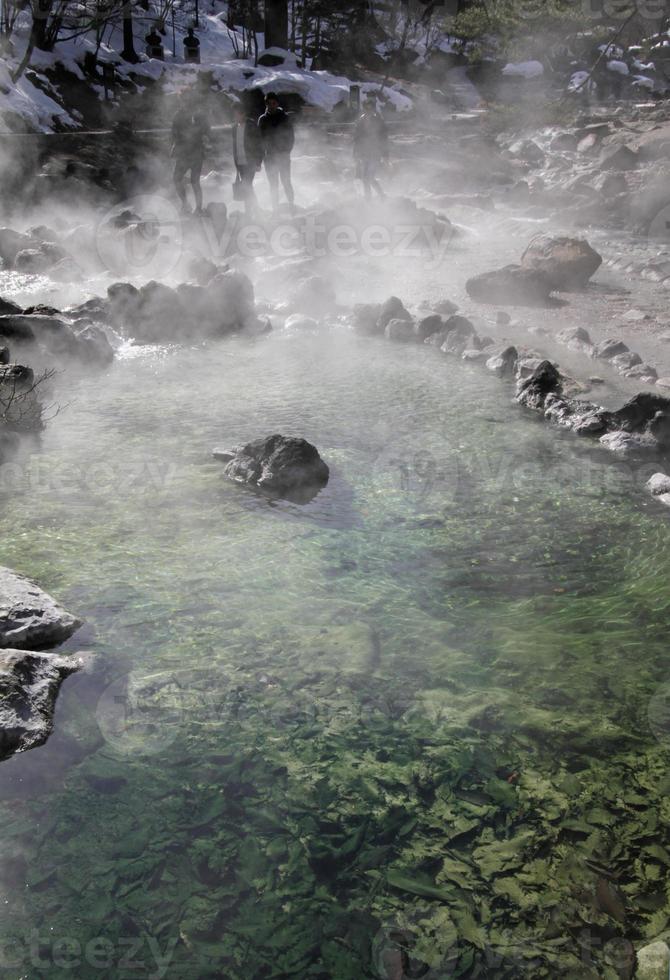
x=414, y=728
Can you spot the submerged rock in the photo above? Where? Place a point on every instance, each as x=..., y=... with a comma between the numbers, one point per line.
x=29, y=684
x=568, y=262
x=29, y=617
x=280, y=466
x=511, y=286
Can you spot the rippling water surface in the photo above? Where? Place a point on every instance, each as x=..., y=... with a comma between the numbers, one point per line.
x=415, y=728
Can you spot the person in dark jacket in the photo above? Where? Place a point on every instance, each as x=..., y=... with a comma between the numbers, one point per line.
x=190, y=131
x=247, y=154
x=370, y=149
x=277, y=134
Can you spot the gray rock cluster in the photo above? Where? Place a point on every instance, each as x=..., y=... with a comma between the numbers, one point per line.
x=30, y=622
x=615, y=352
x=641, y=427
x=548, y=264
x=156, y=313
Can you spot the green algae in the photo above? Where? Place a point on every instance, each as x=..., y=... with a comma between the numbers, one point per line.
x=417, y=743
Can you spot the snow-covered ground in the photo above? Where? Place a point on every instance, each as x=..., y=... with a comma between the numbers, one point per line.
x=218, y=52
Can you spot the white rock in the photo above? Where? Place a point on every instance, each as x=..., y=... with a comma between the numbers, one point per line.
x=658, y=484
x=653, y=962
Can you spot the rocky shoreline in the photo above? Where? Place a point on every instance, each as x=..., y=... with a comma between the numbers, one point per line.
x=31, y=623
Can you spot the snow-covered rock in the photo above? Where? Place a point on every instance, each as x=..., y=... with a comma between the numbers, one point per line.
x=524, y=69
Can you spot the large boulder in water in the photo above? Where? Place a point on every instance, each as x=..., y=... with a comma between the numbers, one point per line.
x=29, y=618
x=511, y=286
x=29, y=684
x=568, y=263
x=278, y=465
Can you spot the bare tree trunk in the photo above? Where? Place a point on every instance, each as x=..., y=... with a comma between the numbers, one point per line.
x=276, y=23
x=25, y=61
x=128, y=53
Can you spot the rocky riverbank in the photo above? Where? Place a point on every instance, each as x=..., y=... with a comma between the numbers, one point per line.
x=31, y=622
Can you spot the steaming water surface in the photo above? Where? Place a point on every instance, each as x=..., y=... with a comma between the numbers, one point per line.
x=299, y=718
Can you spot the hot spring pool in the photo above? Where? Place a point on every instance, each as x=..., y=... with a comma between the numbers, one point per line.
x=415, y=728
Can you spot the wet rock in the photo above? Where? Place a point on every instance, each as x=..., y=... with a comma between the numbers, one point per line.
x=576, y=338
x=93, y=346
x=626, y=361
x=611, y=185
x=444, y=307
x=458, y=335
x=7, y=307
x=568, y=263
x=528, y=151
x=527, y=365
x=4, y=355
x=659, y=483
x=564, y=142
x=29, y=618
x=620, y=158
x=473, y=355
x=607, y=350
x=629, y=444
x=40, y=259
x=17, y=327
x=504, y=364
x=278, y=465
x=653, y=962
x=392, y=309
x=401, y=331
x=511, y=286
x=544, y=381
x=642, y=372
x=11, y=243
x=298, y=321
x=29, y=684
x=366, y=319
x=428, y=326
x=17, y=375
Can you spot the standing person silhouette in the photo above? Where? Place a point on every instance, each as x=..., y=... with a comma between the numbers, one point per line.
x=371, y=149
x=190, y=131
x=278, y=139
x=248, y=155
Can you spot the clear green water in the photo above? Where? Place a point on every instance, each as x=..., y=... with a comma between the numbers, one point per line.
x=414, y=729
